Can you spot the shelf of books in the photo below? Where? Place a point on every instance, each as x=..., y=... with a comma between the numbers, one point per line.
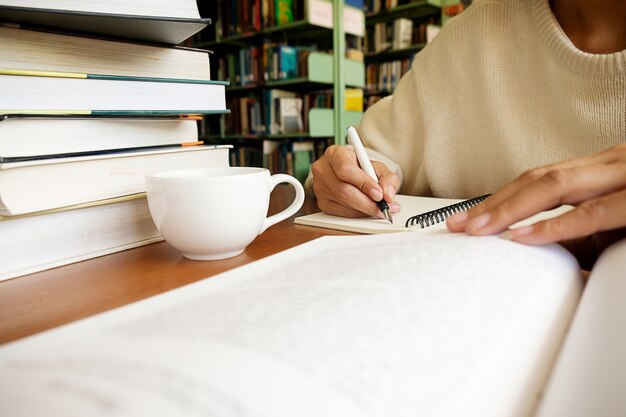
x=395, y=32
x=94, y=98
x=278, y=57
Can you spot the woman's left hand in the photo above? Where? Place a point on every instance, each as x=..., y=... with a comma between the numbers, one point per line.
x=594, y=185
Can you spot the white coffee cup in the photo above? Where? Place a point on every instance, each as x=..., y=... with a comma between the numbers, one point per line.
x=214, y=213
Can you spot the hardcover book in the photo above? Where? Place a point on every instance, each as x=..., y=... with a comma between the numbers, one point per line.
x=22, y=49
x=122, y=21
x=39, y=92
x=31, y=186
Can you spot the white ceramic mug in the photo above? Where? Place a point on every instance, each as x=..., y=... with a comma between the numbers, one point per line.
x=214, y=213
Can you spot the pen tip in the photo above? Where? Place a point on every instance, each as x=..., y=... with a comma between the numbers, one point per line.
x=388, y=216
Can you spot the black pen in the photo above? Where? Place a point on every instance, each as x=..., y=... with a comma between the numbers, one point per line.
x=366, y=165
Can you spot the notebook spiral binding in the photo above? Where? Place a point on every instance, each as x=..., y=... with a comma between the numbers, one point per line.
x=433, y=217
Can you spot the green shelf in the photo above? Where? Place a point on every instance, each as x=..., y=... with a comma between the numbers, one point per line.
x=322, y=121
x=321, y=66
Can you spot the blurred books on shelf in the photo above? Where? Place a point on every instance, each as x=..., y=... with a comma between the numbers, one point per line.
x=284, y=11
x=397, y=34
x=431, y=32
x=382, y=77
x=292, y=158
x=354, y=99
x=289, y=115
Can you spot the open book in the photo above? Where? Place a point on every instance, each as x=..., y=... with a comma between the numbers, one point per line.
x=382, y=325
x=411, y=206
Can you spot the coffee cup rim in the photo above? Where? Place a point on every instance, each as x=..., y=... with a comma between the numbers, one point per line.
x=199, y=173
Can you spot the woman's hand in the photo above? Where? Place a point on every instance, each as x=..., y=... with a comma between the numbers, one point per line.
x=343, y=189
x=595, y=185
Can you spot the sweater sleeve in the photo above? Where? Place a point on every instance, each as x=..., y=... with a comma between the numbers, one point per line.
x=393, y=133
x=393, y=129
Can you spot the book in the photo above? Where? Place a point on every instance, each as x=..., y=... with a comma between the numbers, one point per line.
x=31, y=186
x=37, y=50
x=27, y=136
x=44, y=240
x=289, y=115
x=354, y=99
x=410, y=207
x=163, y=8
x=36, y=92
x=402, y=33
x=270, y=98
x=287, y=57
x=440, y=325
x=284, y=11
x=163, y=22
x=303, y=157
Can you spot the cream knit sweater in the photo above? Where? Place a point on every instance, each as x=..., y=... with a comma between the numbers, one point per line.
x=500, y=90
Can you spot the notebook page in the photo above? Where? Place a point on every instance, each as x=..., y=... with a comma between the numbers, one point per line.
x=410, y=206
x=590, y=376
x=342, y=326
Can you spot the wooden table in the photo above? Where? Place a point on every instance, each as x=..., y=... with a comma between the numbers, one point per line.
x=41, y=301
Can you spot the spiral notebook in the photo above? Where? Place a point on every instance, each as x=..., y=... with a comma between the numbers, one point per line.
x=423, y=214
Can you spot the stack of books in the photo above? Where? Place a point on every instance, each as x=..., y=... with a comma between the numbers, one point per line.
x=95, y=96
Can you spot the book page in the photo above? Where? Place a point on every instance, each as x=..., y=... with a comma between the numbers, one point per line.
x=590, y=376
x=383, y=325
x=411, y=206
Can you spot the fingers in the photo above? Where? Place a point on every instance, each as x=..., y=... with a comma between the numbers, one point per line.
x=529, y=177
x=344, y=189
x=554, y=188
x=595, y=215
x=596, y=185
x=346, y=169
x=388, y=181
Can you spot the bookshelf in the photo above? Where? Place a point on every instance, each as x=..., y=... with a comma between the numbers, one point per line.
x=248, y=45
x=394, y=35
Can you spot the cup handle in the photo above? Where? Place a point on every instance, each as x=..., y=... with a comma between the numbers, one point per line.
x=295, y=205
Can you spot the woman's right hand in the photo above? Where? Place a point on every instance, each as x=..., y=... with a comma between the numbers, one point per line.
x=343, y=189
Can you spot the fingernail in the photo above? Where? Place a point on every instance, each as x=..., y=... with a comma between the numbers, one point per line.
x=394, y=207
x=478, y=222
x=457, y=218
x=511, y=234
x=391, y=191
x=376, y=195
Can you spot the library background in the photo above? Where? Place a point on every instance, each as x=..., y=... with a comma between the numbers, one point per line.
x=299, y=75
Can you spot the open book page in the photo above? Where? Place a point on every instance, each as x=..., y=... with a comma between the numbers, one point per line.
x=411, y=206
x=590, y=376
x=383, y=325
